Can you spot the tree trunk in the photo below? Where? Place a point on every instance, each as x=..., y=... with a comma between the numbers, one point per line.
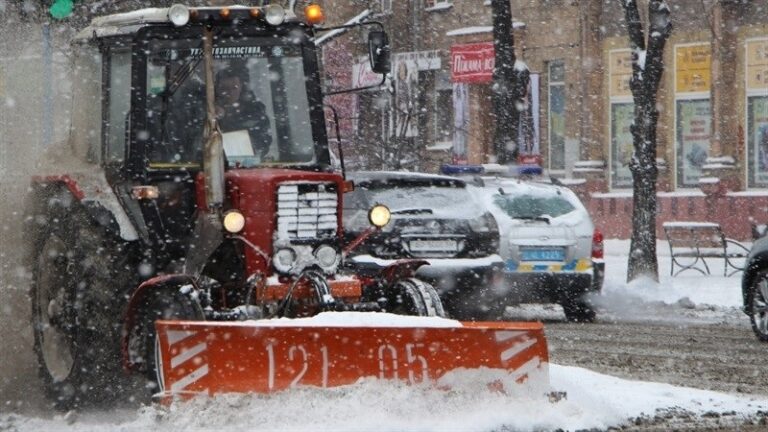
x=507, y=117
x=647, y=69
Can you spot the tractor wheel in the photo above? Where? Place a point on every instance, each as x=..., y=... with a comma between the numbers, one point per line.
x=756, y=305
x=411, y=296
x=77, y=292
x=578, y=310
x=163, y=304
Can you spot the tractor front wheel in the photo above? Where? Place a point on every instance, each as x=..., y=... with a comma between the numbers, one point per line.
x=168, y=303
x=412, y=296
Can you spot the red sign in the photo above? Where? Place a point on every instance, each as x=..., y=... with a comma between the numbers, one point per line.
x=472, y=63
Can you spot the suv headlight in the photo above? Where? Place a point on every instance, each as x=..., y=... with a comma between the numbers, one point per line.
x=484, y=223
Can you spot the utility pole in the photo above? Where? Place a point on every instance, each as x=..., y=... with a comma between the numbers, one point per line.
x=505, y=137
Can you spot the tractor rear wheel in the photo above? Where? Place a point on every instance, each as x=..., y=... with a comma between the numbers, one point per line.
x=76, y=296
x=412, y=296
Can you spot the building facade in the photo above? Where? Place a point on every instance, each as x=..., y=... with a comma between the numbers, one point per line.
x=713, y=99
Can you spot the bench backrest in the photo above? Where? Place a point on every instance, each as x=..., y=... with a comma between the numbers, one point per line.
x=695, y=236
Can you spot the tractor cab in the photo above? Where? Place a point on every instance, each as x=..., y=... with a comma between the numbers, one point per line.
x=265, y=101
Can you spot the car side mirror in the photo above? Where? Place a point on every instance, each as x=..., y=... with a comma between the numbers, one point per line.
x=379, y=51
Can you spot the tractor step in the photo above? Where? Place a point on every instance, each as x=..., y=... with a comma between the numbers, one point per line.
x=339, y=348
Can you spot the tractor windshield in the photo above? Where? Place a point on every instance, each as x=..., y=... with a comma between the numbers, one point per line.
x=261, y=103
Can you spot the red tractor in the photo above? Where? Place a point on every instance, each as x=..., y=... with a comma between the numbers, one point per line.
x=198, y=189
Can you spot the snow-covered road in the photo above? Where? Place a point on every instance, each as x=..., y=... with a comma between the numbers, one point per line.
x=593, y=400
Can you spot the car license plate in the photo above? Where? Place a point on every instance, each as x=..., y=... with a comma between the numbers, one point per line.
x=433, y=245
x=543, y=255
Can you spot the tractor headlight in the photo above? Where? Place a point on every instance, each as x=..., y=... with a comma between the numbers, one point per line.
x=327, y=257
x=379, y=215
x=283, y=260
x=275, y=14
x=179, y=15
x=234, y=221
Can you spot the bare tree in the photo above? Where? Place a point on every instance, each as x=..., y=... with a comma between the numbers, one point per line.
x=507, y=117
x=647, y=69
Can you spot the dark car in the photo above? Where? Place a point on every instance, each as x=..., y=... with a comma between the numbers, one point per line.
x=434, y=218
x=754, y=284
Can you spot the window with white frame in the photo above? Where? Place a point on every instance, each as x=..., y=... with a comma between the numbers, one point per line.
x=556, y=108
x=386, y=6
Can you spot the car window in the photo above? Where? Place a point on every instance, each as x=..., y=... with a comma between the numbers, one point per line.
x=416, y=197
x=532, y=206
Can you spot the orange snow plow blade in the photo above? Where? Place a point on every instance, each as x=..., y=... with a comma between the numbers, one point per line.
x=254, y=356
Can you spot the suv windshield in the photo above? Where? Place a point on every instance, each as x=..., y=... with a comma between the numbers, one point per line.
x=261, y=103
x=529, y=206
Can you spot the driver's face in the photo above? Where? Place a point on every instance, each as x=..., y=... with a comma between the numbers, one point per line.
x=229, y=90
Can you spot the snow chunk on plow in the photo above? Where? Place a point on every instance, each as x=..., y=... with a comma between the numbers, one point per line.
x=336, y=349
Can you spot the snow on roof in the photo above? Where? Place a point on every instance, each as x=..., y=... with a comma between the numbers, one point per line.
x=480, y=29
x=129, y=22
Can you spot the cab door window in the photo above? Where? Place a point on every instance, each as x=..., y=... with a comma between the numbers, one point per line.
x=118, y=97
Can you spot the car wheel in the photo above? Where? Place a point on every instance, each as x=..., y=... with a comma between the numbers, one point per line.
x=579, y=310
x=756, y=305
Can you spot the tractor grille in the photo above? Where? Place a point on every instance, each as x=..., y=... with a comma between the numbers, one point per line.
x=307, y=210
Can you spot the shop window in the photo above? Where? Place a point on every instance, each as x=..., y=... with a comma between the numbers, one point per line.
x=622, y=148
x=622, y=115
x=694, y=122
x=757, y=112
x=693, y=115
x=556, y=115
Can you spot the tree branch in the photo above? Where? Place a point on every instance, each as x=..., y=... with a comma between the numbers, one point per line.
x=634, y=25
x=660, y=27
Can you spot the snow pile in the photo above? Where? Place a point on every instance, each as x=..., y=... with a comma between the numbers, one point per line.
x=593, y=401
x=688, y=296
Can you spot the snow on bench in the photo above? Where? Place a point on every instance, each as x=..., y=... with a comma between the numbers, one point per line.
x=691, y=243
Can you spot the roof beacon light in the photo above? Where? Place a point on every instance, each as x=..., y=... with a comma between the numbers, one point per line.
x=179, y=15
x=314, y=14
x=275, y=14
x=225, y=13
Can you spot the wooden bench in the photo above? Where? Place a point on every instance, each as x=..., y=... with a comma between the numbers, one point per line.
x=692, y=243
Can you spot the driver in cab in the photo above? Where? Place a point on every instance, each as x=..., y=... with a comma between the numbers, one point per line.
x=238, y=111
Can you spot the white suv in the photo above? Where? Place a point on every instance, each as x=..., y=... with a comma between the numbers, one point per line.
x=551, y=249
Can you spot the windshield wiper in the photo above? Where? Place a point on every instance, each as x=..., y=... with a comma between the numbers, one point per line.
x=413, y=211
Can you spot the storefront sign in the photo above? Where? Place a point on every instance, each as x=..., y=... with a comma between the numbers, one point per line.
x=692, y=68
x=472, y=63
x=622, y=148
x=757, y=65
x=693, y=134
x=620, y=73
